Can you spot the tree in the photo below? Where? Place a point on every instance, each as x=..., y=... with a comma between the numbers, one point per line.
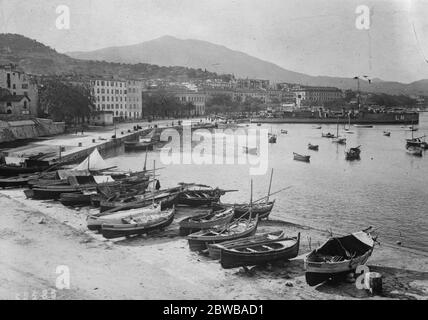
x=65, y=102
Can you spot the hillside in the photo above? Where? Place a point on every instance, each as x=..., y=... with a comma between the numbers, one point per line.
x=36, y=58
x=170, y=51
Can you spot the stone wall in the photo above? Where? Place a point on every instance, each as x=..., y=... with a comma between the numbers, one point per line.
x=29, y=129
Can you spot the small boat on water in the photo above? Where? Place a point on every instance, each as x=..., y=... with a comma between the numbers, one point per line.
x=139, y=145
x=249, y=150
x=417, y=142
x=313, y=147
x=363, y=126
x=339, y=141
x=138, y=225
x=318, y=127
x=238, y=229
x=353, y=153
x=95, y=222
x=259, y=124
x=414, y=151
x=206, y=221
x=299, y=157
x=338, y=256
x=387, y=133
x=272, y=138
x=283, y=131
x=327, y=135
x=260, y=253
x=214, y=249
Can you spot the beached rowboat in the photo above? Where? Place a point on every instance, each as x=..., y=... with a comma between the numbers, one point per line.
x=139, y=225
x=238, y=229
x=205, y=221
x=260, y=253
x=338, y=256
x=262, y=209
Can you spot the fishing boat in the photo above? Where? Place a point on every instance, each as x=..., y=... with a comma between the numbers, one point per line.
x=299, y=157
x=414, y=151
x=139, y=145
x=363, y=126
x=417, y=142
x=318, y=127
x=238, y=229
x=13, y=168
x=249, y=150
x=214, y=249
x=387, y=133
x=327, y=135
x=347, y=129
x=166, y=199
x=205, y=221
x=14, y=182
x=95, y=222
x=353, y=153
x=260, y=253
x=338, y=256
x=77, y=198
x=263, y=209
x=201, y=197
x=283, y=131
x=338, y=140
x=138, y=225
x=272, y=138
x=313, y=147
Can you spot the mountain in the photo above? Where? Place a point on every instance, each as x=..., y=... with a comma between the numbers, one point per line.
x=170, y=51
x=36, y=58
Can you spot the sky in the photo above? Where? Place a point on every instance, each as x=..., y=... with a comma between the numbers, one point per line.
x=316, y=37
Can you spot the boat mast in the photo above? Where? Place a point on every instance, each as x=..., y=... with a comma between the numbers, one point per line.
x=251, y=200
x=145, y=161
x=154, y=181
x=270, y=185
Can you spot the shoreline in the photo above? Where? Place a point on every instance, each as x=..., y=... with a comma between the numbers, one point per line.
x=37, y=236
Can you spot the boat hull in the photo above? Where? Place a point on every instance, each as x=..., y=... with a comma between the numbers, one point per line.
x=188, y=226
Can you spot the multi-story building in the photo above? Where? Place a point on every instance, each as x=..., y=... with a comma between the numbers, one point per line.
x=198, y=99
x=307, y=95
x=111, y=95
x=15, y=82
x=252, y=84
x=134, y=103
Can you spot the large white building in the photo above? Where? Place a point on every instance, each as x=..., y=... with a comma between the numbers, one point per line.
x=110, y=95
x=134, y=103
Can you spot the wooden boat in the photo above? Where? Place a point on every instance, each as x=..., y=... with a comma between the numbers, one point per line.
x=363, y=126
x=327, y=135
x=14, y=182
x=206, y=221
x=338, y=256
x=353, y=153
x=299, y=157
x=95, y=222
x=139, y=225
x=238, y=229
x=340, y=140
x=165, y=199
x=417, y=142
x=272, y=138
x=318, y=127
x=387, y=133
x=28, y=167
x=249, y=150
x=214, y=249
x=262, y=209
x=76, y=199
x=283, y=131
x=414, y=151
x=51, y=193
x=139, y=146
x=202, y=197
x=313, y=147
x=260, y=253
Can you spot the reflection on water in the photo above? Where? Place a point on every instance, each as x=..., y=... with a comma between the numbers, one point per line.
x=387, y=188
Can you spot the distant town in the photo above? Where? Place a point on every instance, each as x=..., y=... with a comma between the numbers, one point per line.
x=112, y=99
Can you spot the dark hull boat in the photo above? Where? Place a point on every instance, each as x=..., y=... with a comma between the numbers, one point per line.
x=353, y=154
x=239, y=229
x=165, y=199
x=214, y=249
x=158, y=222
x=258, y=254
x=51, y=193
x=299, y=157
x=75, y=199
x=138, y=146
x=263, y=210
x=205, y=221
x=337, y=257
x=327, y=135
x=14, y=182
x=313, y=147
x=196, y=198
x=28, y=167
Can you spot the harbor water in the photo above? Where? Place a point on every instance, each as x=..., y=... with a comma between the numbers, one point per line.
x=386, y=189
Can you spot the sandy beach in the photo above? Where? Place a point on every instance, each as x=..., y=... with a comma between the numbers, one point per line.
x=36, y=237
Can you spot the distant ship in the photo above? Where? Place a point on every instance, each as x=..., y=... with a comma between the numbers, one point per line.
x=361, y=118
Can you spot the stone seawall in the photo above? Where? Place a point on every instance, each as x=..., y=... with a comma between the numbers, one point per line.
x=29, y=129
